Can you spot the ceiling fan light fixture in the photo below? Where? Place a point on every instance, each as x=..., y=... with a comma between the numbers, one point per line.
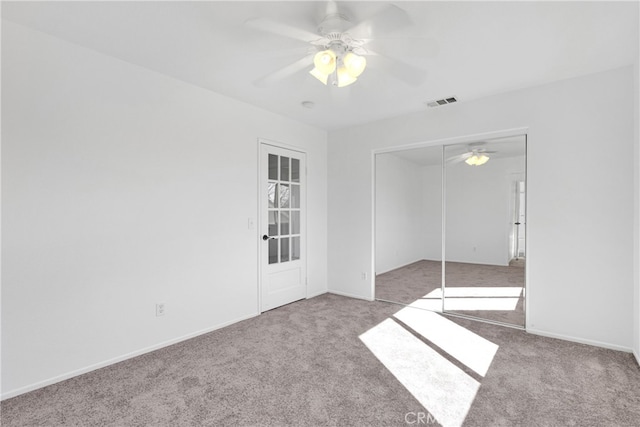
x=344, y=78
x=319, y=75
x=477, y=159
x=355, y=64
x=325, y=61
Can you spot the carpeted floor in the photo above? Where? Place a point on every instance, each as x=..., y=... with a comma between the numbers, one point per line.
x=306, y=364
x=419, y=284
x=409, y=283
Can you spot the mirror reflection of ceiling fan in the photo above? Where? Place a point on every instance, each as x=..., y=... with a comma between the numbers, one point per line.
x=339, y=50
x=476, y=156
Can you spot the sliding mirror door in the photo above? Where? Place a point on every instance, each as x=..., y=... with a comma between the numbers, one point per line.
x=408, y=227
x=484, y=222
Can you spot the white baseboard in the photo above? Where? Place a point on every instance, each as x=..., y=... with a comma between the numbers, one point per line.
x=579, y=340
x=75, y=373
x=344, y=294
x=397, y=267
x=637, y=356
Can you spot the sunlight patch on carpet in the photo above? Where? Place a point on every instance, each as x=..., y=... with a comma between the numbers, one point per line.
x=482, y=304
x=477, y=291
x=441, y=387
x=427, y=304
x=464, y=298
x=469, y=348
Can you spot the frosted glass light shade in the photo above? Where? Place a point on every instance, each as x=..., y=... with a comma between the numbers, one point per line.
x=344, y=78
x=325, y=61
x=319, y=75
x=355, y=64
x=477, y=160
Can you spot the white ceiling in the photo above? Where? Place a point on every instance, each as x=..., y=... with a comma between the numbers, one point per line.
x=483, y=48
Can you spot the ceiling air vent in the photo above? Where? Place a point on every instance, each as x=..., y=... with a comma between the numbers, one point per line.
x=440, y=102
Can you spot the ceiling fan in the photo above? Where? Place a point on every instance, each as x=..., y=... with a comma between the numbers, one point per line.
x=340, y=50
x=476, y=156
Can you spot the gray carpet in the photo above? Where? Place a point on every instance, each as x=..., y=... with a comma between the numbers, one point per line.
x=412, y=283
x=304, y=364
x=409, y=283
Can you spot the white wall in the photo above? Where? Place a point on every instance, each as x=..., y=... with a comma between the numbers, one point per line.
x=478, y=217
x=409, y=211
x=432, y=202
x=400, y=217
x=580, y=204
x=122, y=188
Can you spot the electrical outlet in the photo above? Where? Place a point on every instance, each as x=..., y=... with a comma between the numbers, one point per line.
x=364, y=276
x=160, y=309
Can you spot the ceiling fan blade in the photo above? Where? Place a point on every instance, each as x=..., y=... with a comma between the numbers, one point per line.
x=459, y=157
x=405, y=47
x=411, y=75
x=388, y=19
x=285, y=30
x=284, y=72
x=282, y=53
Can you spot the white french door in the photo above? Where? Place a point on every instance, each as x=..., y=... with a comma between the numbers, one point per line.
x=282, y=226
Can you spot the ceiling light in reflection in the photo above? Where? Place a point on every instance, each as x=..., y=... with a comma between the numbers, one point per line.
x=477, y=160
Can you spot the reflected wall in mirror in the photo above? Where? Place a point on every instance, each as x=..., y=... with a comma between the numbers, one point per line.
x=408, y=227
x=485, y=229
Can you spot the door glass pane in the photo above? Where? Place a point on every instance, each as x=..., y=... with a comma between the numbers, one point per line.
x=284, y=208
x=273, y=166
x=295, y=248
x=284, y=168
x=284, y=195
x=295, y=170
x=273, y=251
x=284, y=223
x=273, y=223
x=284, y=249
x=272, y=190
x=295, y=222
x=295, y=196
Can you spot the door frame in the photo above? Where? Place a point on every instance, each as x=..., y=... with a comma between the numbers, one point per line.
x=259, y=232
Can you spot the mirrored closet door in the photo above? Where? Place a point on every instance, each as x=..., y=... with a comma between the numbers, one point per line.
x=484, y=224
x=472, y=198
x=408, y=227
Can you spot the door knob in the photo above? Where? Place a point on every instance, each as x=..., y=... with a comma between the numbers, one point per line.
x=265, y=237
